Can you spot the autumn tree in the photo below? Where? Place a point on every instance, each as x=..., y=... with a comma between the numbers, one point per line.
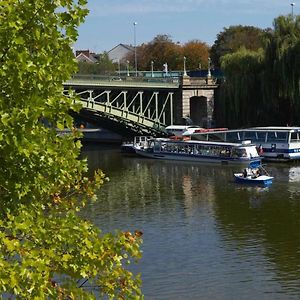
x=163, y=50
x=196, y=53
x=45, y=247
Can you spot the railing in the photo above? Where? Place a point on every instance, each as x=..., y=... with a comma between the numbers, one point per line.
x=172, y=82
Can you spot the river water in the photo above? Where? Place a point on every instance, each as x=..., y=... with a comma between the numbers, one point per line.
x=204, y=236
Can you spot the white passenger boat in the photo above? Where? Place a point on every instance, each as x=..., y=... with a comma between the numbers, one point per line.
x=199, y=151
x=273, y=143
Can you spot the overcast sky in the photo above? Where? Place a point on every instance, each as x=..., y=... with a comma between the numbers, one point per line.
x=110, y=22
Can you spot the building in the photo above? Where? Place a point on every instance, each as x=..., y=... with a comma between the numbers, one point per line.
x=119, y=53
x=86, y=56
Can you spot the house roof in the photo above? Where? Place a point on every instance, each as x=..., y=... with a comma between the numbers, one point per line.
x=127, y=47
x=85, y=55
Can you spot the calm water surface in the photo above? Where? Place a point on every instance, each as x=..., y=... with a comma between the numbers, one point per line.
x=205, y=237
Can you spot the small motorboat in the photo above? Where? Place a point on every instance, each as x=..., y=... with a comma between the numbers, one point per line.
x=254, y=174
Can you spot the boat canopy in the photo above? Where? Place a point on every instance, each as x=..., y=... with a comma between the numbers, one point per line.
x=254, y=164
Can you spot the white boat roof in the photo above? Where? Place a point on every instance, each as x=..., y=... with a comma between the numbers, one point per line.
x=273, y=128
x=246, y=143
x=183, y=127
x=267, y=128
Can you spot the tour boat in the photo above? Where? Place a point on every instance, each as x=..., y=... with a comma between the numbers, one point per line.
x=274, y=143
x=199, y=151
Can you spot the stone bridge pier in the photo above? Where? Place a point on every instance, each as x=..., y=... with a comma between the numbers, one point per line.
x=197, y=103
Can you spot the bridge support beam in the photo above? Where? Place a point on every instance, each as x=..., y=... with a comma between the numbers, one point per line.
x=198, y=100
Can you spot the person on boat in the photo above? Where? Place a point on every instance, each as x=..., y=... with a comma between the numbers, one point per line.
x=245, y=173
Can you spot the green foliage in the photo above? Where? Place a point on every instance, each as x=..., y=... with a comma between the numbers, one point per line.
x=45, y=247
x=267, y=80
x=234, y=37
x=282, y=75
x=103, y=66
x=239, y=101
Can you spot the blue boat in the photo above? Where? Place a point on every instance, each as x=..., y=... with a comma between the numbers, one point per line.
x=254, y=174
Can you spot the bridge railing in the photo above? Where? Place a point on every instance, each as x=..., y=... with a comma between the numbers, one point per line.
x=116, y=78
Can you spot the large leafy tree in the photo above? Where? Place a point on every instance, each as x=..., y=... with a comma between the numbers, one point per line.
x=262, y=87
x=196, y=53
x=45, y=248
x=234, y=37
x=282, y=72
x=239, y=103
x=160, y=50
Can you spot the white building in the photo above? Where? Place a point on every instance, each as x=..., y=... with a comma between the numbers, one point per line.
x=120, y=52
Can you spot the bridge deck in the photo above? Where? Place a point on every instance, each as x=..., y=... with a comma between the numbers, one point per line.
x=161, y=83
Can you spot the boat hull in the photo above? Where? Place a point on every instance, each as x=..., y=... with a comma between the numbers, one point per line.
x=194, y=158
x=261, y=180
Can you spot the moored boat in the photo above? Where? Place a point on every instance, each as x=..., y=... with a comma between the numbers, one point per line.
x=199, y=151
x=275, y=143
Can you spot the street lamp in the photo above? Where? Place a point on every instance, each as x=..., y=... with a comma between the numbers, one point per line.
x=152, y=62
x=184, y=68
x=127, y=64
x=292, y=5
x=208, y=68
x=134, y=37
x=119, y=68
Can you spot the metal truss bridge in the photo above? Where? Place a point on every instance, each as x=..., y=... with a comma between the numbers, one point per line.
x=128, y=107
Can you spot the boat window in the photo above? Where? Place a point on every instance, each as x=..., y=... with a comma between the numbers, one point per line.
x=277, y=136
x=232, y=137
x=261, y=136
x=239, y=152
x=216, y=137
x=199, y=137
x=157, y=146
x=294, y=137
x=250, y=135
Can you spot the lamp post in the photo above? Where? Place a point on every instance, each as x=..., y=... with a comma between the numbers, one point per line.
x=152, y=62
x=184, y=67
x=127, y=65
x=134, y=38
x=292, y=5
x=119, y=68
x=208, y=68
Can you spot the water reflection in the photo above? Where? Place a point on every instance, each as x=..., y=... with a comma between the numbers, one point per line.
x=204, y=236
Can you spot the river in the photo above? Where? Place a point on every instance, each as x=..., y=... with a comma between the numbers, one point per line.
x=204, y=236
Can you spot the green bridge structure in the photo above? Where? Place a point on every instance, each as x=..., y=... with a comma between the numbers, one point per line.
x=144, y=105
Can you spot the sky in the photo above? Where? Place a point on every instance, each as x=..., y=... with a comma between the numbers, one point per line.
x=111, y=22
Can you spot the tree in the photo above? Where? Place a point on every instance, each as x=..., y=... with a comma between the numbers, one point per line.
x=163, y=50
x=196, y=53
x=103, y=66
x=240, y=100
x=282, y=75
x=263, y=87
x=231, y=39
x=45, y=248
